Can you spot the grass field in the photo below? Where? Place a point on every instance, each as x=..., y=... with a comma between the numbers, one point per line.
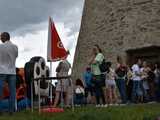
x=130, y=112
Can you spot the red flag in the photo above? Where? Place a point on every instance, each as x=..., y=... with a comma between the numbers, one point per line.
x=55, y=50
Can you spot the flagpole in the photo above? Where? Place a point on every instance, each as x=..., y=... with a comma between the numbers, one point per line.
x=51, y=101
x=56, y=50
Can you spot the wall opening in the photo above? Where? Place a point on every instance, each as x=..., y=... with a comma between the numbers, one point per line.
x=150, y=54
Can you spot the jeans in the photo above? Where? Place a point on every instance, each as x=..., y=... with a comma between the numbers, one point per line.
x=122, y=89
x=79, y=99
x=158, y=91
x=98, y=89
x=129, y=90
x=136, y=90
x=88, y=89
x=11, y=79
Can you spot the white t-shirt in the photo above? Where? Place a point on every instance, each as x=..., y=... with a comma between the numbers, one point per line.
x=8, y=55
x=136, y=69
x=79, y=90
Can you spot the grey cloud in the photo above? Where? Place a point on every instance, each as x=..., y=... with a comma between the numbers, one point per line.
x=72, y=19
x=23, y=16
x=30, y=28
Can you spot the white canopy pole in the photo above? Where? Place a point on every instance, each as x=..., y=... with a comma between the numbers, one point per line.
x=51, y=100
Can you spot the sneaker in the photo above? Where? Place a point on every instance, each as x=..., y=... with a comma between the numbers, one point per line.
x=67, y=106
x=106, y=105
x=151, y=102
x=102, y=105
x=77, y=105
x=98, y=105
x=110, y=104
x=115, y=104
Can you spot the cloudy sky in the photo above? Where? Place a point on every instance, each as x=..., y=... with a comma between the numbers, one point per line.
x=27, y=22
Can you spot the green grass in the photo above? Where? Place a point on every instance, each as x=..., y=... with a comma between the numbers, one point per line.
x=130, y=112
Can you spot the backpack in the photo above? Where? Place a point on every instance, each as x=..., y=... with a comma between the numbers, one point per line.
x=103, y=66
x=121, y=71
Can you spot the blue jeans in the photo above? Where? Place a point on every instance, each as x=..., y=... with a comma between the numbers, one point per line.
x=11, y=79
x=122, y=89
x=79, y=99
x=137, y=90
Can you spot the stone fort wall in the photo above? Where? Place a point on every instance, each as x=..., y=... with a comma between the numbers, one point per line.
x=117, y=26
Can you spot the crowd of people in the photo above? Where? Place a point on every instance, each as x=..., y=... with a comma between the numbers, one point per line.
x=104, y=85
x=101, y=85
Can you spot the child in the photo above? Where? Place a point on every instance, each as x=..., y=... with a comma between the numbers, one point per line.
x=79, y=93
x=88, y=85
x=111, y=85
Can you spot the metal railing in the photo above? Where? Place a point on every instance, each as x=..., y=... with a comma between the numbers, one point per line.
x=50, y=85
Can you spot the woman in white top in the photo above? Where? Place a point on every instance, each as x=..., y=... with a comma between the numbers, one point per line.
x=137, y=92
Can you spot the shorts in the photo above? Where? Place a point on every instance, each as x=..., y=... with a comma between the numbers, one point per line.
x=62, y=86
x=111, y=83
